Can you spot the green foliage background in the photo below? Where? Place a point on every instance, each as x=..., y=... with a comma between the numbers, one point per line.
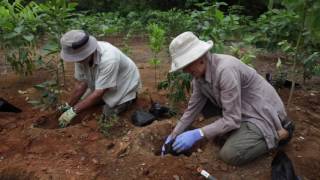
x=240, y=27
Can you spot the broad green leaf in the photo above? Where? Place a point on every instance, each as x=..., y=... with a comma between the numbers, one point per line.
x=18, y=29
x=50, y=48
x=41, y=86
x=29, y=37
x=219, y=15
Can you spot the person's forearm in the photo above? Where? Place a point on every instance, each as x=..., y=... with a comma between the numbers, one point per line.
x=90, y=100
x=77, y=93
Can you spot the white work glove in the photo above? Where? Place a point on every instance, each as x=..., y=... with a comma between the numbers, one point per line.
x=66, y=117
x=64, y=107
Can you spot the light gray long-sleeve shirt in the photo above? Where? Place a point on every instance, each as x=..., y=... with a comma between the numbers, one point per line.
x=242, y=94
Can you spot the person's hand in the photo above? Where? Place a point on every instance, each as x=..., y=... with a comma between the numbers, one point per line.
x=63, y=107
x=186, y=140
x=168, y=140
x=66, y=117
x=283, y=134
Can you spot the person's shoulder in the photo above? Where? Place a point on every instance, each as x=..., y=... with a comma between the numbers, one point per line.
x=225, y=57
x=108, y=52
x=225, y=61
x=104, y=46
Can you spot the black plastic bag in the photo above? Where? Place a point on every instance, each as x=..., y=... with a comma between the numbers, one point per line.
x=142, y=118
x=282, y=168
x=281, y=83
x=7, y=107
x=160, y=111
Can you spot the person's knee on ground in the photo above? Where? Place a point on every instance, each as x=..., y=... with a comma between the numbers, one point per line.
x=108, y=111
x=232, y=156
x=244, y=145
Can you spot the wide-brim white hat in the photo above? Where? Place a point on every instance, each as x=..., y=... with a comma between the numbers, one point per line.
x=77, y=45
x=185, y=49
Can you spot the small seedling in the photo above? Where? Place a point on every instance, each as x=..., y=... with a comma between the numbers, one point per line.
x=156, y=42
x=106, y=123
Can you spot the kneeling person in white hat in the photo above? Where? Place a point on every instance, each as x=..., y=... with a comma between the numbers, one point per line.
x=104, y=69
x=250, y=109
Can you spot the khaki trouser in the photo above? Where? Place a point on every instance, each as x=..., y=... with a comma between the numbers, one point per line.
x=243, y=145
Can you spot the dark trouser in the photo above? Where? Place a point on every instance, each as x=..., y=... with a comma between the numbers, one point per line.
x=243, y=145
x=107, y=111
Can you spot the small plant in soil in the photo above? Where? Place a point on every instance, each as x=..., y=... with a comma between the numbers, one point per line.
x=105, y=124
x=281, y=75
x=156, y=42
x=126, y=48
x=246, y=55
x=178, y=84
x=49, y=95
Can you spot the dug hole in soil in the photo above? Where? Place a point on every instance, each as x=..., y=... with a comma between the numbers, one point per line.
x=151, y=139
x=50, y=120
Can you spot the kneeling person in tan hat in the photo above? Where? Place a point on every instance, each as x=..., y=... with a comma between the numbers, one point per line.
x=104, y=69
x=251, y=112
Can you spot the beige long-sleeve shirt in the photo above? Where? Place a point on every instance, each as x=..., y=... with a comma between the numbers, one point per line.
x=242, y=94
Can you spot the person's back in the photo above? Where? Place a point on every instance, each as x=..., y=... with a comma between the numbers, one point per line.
x=127, y=78
x=259, y=100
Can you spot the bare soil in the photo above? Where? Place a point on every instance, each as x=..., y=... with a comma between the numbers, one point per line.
x=80, y=151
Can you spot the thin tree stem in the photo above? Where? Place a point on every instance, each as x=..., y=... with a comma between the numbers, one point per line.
x=296, y=57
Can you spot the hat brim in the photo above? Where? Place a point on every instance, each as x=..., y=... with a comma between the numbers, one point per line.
x=193, y=54
x=77, y=55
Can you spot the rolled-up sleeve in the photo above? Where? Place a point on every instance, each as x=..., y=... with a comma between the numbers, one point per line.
x=230, y=94
x=195, y=105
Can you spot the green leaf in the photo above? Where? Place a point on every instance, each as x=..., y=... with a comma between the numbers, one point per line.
x=41, y=86
x=219, y=15
x=154, y=61
x=18, y=29
x=278, y=65
x=50, y=48
x=10, y=35
x=312, y=58
x=29, y=37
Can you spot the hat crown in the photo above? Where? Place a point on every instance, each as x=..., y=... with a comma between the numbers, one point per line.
x=76, y=45
x=72, y=37
x=182, y=43
x=186, y=48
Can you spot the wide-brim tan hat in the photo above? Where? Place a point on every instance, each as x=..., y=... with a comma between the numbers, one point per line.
x=77, y=45
x=185, y=49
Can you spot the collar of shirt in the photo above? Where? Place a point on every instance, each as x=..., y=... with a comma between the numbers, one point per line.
x=211, y=68
x=207, y=76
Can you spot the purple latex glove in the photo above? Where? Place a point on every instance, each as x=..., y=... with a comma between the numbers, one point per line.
x=168, y=140
x=186, y=140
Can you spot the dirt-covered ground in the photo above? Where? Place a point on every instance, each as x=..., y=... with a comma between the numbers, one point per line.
x=80, y=151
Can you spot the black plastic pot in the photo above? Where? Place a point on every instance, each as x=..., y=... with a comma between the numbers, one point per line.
x=5, y=106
